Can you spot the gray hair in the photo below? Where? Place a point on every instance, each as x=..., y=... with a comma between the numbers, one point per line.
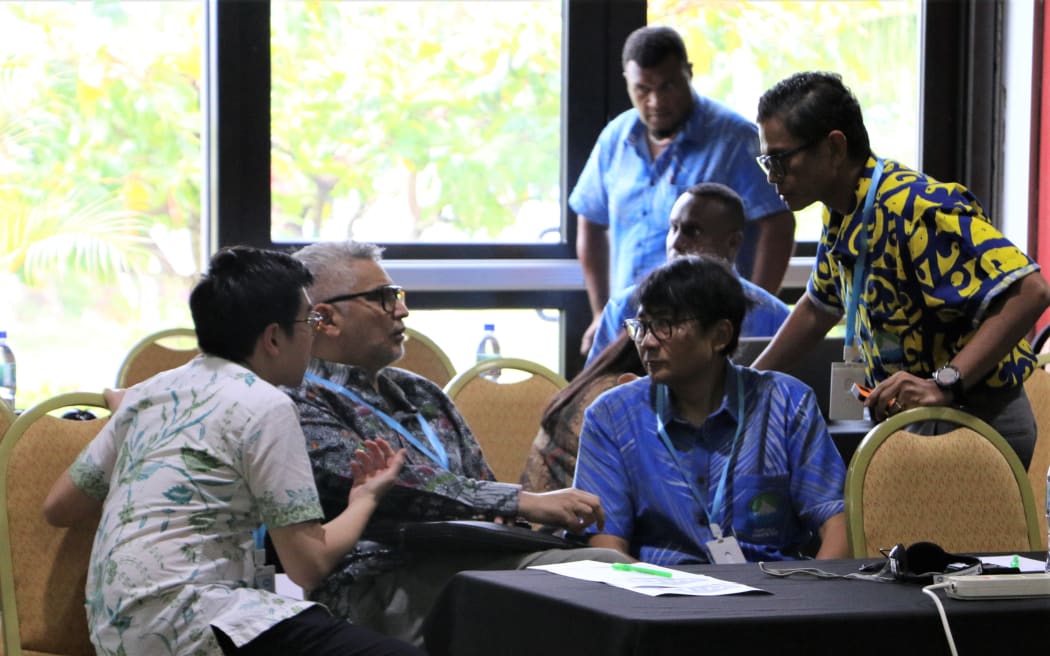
x=329, y=262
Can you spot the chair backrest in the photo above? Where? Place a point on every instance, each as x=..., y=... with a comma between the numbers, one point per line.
x=43, y=569
x=149, y=356
x=1037, y=388
x=504, y=416
x=7, y=417
x=424, y=357
x=964, y=490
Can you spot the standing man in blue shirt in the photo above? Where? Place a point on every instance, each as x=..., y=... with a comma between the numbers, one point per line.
x=708, y=219
x=648, y=156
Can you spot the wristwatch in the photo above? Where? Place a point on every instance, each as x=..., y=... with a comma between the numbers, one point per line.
x=948, y=378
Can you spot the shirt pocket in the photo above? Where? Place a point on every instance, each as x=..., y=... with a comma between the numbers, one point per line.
x=762, y=509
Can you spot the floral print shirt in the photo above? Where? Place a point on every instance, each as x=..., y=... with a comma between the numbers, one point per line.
x=335, y=426
x=189, y=465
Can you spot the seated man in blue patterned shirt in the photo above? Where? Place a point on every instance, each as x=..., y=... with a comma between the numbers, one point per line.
x=702, y=453
x=708, y=219
x=351, y=393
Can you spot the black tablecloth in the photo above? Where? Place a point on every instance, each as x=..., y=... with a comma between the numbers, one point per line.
x=534, y=613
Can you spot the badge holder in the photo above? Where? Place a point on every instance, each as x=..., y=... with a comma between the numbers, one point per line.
x=843, y=404
x=724, y=550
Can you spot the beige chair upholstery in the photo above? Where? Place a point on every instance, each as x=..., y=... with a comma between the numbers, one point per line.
x=43, y=569
x=424, y=357
x=7, y=417
x=965, y=490
x=1037, y=387
x=151, y=355
x=504, y=416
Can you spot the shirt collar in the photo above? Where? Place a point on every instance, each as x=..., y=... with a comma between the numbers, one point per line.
x=730, y=400
x=692, y=129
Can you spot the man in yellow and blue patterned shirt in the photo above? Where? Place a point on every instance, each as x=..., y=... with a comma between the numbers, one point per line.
x=943, y=300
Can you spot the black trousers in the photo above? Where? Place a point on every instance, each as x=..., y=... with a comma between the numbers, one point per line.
x=315, y=632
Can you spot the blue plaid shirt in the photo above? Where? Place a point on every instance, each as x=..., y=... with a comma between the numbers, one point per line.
x=784, y=482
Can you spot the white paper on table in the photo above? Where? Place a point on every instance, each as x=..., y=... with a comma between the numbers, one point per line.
x=679, y=583
x=1023, y=564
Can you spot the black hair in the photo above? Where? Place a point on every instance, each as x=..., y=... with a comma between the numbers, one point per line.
x=245, y=290
x=729, y=199
x=619, y=357
x=703, y=287
x=812, y=104
x=650, y=46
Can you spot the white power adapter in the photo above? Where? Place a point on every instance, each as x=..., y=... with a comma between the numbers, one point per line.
x=996, y=586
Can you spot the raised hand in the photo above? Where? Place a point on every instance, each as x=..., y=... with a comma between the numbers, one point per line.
x=375, y=467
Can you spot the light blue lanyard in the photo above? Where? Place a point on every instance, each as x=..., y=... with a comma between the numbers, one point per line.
x=718, y=503
x=437, y=451
x=860, y=266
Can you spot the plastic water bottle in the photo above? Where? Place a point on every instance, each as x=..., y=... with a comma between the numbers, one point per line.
x=488, y=348
x=7, y=372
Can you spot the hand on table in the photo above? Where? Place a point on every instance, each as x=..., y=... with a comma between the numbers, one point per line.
x=570, y=508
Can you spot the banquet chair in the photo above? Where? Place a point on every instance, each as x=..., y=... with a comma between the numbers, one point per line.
x=504, y=416
x=151, y=355
x=7, y=417
x=43, y=569
x=964, y=490
x=1037, y=388
x=424, y=357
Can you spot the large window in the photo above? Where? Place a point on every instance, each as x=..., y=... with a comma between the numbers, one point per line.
x=740, y=49
x=100, y=175
x=415, y=121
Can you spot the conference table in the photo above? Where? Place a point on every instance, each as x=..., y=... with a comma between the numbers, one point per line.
x=536, y=613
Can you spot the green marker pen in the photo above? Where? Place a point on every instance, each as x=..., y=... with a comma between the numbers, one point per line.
x=627, y=567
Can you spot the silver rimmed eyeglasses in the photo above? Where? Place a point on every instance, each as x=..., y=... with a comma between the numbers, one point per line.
x=661, y=329
x=313, y=320
x=388, y=296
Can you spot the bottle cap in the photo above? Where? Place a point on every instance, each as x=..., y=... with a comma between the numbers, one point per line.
x=490, y=326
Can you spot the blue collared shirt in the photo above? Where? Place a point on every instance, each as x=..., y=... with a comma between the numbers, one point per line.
x=623, y=188
x=785, y=481
x=764, y=319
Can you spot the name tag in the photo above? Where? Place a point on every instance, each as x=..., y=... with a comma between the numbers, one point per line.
x=725, y=551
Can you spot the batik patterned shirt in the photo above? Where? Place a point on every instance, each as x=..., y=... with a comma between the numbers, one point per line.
x=934, y=266
x=191, y=463
x=335, y=426
x=784, y=479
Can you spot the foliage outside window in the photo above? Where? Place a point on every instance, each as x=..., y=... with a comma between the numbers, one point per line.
x=100, y=169
x=739, y=49
x=416, y=121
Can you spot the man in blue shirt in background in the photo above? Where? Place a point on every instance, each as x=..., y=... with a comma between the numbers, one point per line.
x=708, y=219
x=648, y=156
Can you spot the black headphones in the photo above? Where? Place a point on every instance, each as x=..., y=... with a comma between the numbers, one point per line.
x=919, y=562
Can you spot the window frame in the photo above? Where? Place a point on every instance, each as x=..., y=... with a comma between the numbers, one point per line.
x=959, y=116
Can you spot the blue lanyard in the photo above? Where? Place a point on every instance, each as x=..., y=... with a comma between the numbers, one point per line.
x=860, y=266
x=718, y=503
x=437, y=451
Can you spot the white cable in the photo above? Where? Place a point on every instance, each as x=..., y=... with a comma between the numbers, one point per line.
x=929, y=591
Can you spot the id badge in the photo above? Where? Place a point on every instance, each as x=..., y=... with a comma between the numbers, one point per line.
x=842, y=403
x=725, y=551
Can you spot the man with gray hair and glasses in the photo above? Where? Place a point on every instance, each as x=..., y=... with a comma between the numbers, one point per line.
x=351, y=393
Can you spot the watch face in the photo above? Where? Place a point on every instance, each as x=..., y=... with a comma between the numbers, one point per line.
x=946, y=376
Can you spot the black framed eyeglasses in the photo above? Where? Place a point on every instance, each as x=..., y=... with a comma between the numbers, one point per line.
x=388, y=296
x=775, y=165
x=660, y=328
x=313, y=320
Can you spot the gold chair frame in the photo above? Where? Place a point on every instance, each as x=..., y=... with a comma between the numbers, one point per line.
x=37, y=608
x=507, y=437
x=148, y=357
x=877, y=437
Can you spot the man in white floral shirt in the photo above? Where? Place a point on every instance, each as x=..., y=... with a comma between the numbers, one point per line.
x=194, y=460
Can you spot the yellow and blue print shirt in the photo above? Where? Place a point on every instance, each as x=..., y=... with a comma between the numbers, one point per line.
x=934, y=265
